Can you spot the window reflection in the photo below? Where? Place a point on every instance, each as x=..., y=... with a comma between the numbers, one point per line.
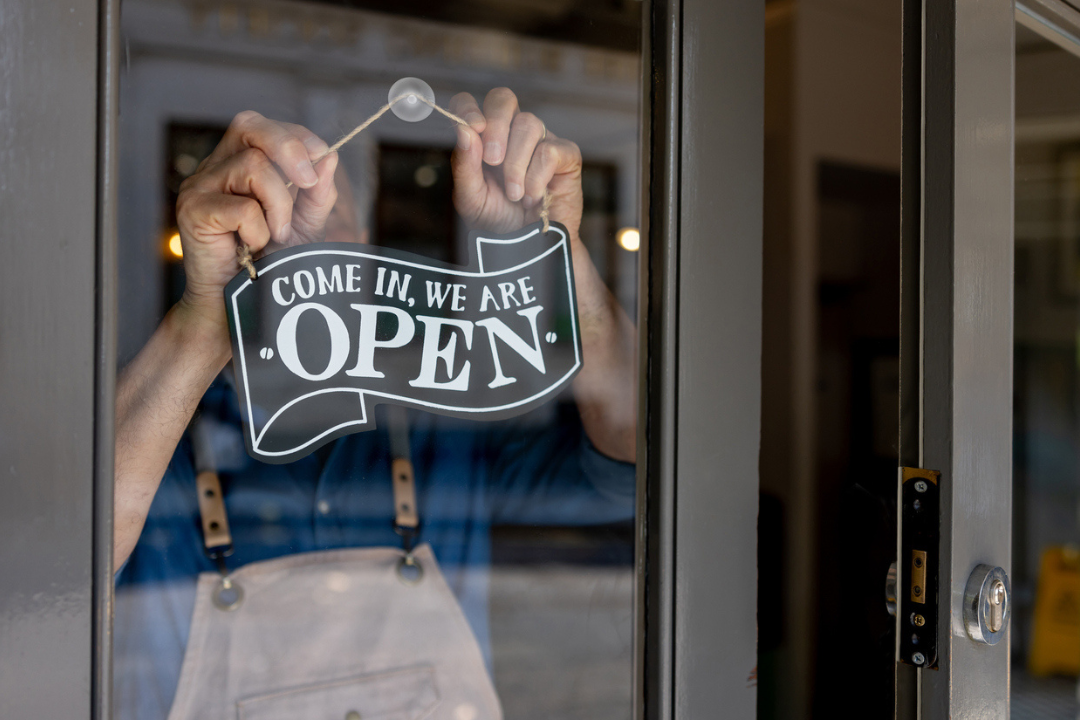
x=530, y=523
x=1046, y=493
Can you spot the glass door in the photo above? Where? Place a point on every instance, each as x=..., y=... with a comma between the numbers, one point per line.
x=446, y=525
x=410, y=361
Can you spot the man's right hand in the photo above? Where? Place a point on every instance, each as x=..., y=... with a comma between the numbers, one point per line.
x=240, y=192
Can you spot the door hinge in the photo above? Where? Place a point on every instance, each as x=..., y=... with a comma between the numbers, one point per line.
x=917, y=567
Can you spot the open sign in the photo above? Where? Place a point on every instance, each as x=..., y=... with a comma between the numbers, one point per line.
x=327, y=327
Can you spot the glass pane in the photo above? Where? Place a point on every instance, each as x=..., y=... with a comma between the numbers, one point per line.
x=392, y=476
x=1046, y=418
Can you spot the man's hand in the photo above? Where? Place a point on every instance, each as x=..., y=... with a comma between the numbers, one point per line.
x=505, y=160
x=503, y=163
x=240, y=192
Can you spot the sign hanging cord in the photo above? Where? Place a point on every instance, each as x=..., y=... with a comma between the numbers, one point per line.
x=243, y=252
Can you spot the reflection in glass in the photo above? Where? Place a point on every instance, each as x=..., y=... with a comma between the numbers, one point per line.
x=1046, y=421
x=278, y=603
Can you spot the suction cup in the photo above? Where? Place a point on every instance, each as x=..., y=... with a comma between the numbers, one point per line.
x=411, y=108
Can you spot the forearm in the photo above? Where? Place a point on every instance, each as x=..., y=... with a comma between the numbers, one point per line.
x=156, y=397
x=606, y=387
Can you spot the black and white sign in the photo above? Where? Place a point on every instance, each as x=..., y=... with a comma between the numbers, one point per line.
x=328, y=330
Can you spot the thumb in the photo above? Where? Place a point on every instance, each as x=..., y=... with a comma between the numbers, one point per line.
x=466, y=164
x=313, y=205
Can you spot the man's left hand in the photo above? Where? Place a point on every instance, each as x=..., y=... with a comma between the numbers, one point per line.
x=505, y=160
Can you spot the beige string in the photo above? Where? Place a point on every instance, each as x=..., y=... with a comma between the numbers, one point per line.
x=243, y=252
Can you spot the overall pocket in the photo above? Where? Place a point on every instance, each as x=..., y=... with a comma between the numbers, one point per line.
x=407, y=694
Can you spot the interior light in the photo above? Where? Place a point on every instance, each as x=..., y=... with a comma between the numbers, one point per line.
x=176, y=249
x=425, y=176
x=186, y=164
x=629, y=239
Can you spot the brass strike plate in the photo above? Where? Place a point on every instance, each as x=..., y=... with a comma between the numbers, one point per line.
x=917, y=584
x=918, y=576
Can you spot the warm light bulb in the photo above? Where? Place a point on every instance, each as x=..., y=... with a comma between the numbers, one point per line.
x=425, y=176
x=629, y=239
x=176, y=249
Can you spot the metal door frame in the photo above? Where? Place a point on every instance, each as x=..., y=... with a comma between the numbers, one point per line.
x=1055, y=20
x=700, y=352
x=956, y=336
x=57, y=309
x=957, y=325
x=700, y=340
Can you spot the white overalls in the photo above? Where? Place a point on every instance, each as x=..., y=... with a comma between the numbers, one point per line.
x=333, y=635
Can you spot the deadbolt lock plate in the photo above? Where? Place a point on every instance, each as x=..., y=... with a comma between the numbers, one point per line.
x=917, y=567
x=987, y=604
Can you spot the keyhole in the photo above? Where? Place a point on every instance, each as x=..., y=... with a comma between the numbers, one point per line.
x=996, y=617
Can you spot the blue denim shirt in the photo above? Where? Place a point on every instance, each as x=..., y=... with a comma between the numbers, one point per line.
x=539, y=469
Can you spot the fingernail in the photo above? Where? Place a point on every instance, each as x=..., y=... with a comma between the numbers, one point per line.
x=333, y=159
x=307, y=173
x=283, y=233
x=474, y=118
x=529, y=202
x=514, y=191
x=463, y=138
x=315, y=146
x=492, y=153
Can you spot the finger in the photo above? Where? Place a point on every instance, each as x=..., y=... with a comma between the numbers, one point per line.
x=342, y=225
x=465, y=107
x=218, y=214
x=315, y=145
x=467, y=168
x=251, y=224
x=314, y=205
x=552, y=157
x=525, y=132
x=500, y=107
x=251, y=173
x=249, y=129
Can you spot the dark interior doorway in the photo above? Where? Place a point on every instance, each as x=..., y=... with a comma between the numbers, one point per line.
x=857, y=430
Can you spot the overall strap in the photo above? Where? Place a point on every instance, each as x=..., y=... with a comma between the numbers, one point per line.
x=217, y=540
x=406, y=517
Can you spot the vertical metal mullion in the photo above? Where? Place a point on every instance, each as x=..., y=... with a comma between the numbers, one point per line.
x=906, y=679
x=936, y=314
x=48, y=356
x=718, y=392
x=105, y=352
x=967, y=260
x=658, y=310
